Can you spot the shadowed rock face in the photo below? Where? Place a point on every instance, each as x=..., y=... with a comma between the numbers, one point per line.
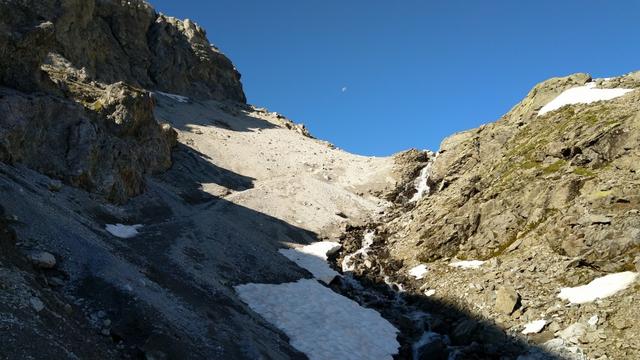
x=106, y=151
x=75, y=107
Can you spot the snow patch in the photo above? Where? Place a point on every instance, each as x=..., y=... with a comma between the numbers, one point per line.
x=599, y=288
x=123, y=231
x=467, y=264
x=178, y=98
x=321, y=323
x=347, y=263
x=534, y=327
x=582, y=95
x=313, y=258
x=419, y=271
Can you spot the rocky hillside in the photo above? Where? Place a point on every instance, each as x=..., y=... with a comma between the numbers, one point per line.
x=540, y=200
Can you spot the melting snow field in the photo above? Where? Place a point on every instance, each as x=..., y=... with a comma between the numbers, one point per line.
x=123, y=231
x=582, y=95
x=419, y=271
x=178, y=98
x=313, y=258
x=599, y=288
x=467, y=264
x=321, y=323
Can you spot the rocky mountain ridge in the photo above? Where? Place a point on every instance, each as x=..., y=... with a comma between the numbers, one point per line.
x=528, y=205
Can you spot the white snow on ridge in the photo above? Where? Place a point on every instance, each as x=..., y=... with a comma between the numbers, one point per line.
x=313, y=258
x=599, y=288
x=178, y=98
x=321, y=323
x=419, y=271
x=582, y=95
x=467, y=264
x=123, y=231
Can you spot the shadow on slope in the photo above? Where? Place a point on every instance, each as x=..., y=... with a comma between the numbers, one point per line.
x=228, y=116
x=191, y=170
x=194, y=246
x=445, y=327
x=190, y=254
x=204, y=250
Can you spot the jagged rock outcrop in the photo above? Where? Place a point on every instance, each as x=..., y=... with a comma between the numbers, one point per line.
x=77, y=73
x=113, y=41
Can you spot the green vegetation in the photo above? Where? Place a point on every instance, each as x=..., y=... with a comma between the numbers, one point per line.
x=583, y=172
x=530, y=164
x=554, y=167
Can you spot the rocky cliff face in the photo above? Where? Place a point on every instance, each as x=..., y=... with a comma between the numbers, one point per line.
x=77, y=76
x=112, y=41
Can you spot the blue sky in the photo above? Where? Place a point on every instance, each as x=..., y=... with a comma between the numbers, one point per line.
x=376, y=77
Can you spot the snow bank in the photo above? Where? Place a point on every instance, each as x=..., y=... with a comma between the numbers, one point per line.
x=582, y=95
x=321, y=323
x=534, y=327
x=467, y=264
x=313, y=258
x=419, y=271
x=599, y=288
x=178, y=98
x=123, y=231
x=367, y=241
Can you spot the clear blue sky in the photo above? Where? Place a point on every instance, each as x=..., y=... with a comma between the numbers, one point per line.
x=415, y=71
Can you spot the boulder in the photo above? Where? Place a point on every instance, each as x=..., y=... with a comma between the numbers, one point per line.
x=573, y=333
x=507, y=300
x=36, y=304
x=43, y=259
